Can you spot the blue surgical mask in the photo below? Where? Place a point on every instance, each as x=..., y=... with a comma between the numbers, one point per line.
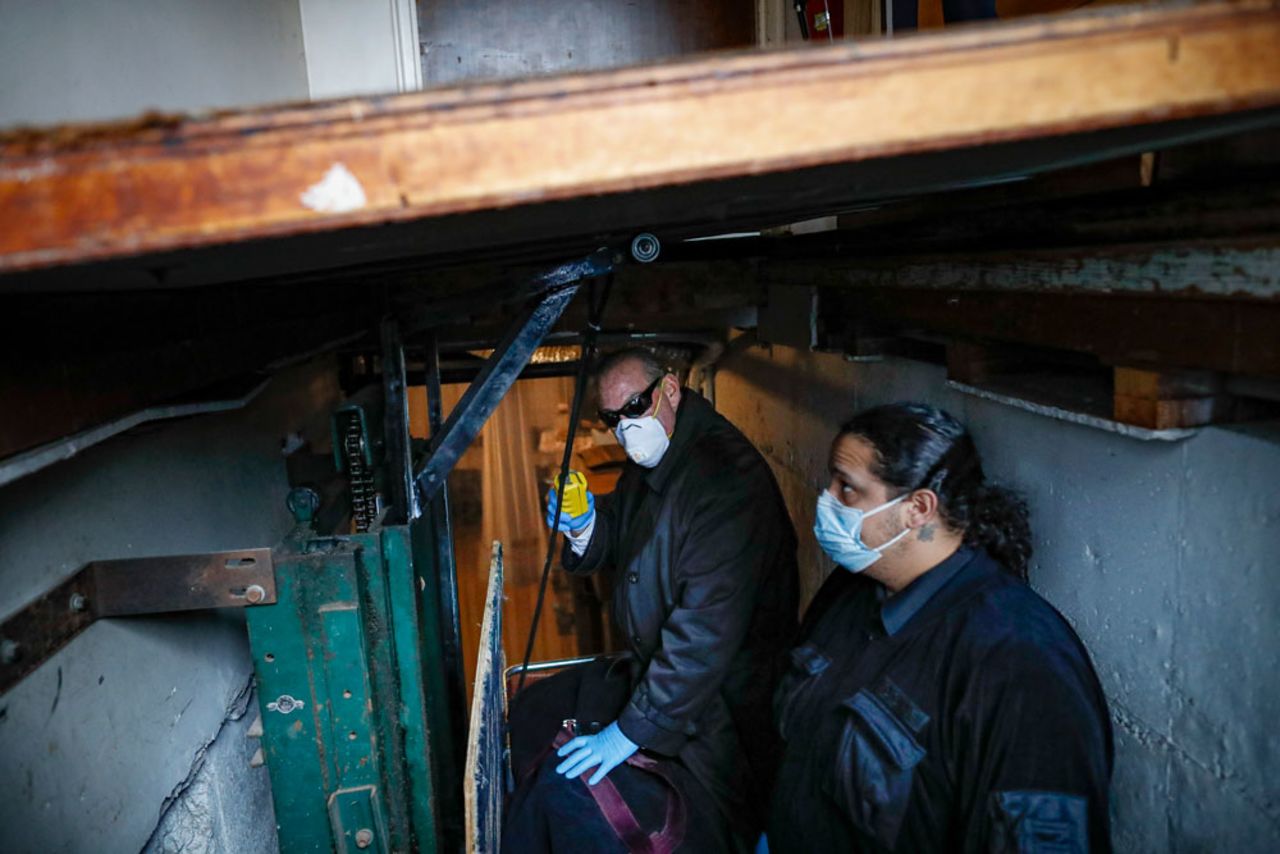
x=839, y=532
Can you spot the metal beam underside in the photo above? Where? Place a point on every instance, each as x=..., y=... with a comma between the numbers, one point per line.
x=72, y=195
x=1230, y=336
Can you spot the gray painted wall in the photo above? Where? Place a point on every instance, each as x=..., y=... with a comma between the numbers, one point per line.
x=1160, y=554
x=65, y=60
x=95, y=742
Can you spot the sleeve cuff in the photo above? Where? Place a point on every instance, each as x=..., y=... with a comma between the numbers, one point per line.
x=593, y=546
x=653, y=731
x=578, y=542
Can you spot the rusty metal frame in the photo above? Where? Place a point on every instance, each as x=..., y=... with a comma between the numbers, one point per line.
x=128, y=587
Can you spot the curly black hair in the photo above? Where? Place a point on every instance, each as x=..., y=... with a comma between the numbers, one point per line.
x=923, y=447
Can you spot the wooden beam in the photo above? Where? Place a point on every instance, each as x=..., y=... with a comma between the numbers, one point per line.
x=1163, y=400
x=1241, y=268
x=1233, y=336
x=79, y=194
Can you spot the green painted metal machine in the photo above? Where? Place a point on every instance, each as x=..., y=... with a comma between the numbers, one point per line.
x=358, y=660
x=352, y=688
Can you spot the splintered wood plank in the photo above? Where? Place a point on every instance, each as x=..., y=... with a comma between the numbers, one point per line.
x=78, y=194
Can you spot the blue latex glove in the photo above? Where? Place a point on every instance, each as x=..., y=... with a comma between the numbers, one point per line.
x=570, y=524
x=609, y=749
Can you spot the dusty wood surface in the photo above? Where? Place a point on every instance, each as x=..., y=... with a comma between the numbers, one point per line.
x=79, y=194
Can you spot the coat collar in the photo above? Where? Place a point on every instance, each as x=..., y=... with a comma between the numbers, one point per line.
x=897, y=610
x=692, y=419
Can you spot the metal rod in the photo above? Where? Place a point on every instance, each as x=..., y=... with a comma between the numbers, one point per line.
x=404, y=499
x=435, y=406
x=483, y=395
x=595, y=311
x=441, y=519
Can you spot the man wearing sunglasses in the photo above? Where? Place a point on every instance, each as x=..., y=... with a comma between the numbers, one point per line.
x=702, y=556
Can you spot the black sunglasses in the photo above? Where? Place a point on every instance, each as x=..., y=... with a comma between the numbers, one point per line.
x=637, y=406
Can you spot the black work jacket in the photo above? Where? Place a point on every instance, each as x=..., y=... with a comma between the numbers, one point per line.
x=706, y=593
x=962, y=714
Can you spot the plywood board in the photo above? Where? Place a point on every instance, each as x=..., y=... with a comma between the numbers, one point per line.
x=484, y=782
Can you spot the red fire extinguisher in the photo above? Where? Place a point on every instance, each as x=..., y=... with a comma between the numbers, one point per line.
x=820, y=20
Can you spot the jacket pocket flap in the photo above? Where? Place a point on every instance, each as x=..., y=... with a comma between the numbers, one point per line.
x=887, y=731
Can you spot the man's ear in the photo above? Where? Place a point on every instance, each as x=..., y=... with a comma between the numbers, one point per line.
x=671, y=388
x=922, y=508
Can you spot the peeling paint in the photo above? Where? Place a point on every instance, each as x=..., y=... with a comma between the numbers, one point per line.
x=338, y=191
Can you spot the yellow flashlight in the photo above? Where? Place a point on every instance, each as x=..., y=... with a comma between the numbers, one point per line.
x=574, y=495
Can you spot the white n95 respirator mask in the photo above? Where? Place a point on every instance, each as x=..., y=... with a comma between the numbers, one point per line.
x=644, y=439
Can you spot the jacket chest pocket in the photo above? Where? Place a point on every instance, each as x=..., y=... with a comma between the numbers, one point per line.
x=875, y=766
x=807, y=662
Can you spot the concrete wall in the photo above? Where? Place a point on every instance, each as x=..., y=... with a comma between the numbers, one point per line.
x=1162, y=555
x=142, y=715
x=68, y=61
x=64, y=60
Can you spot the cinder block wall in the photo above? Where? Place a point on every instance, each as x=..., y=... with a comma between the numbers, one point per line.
x=1162, y=555
x=140, y=714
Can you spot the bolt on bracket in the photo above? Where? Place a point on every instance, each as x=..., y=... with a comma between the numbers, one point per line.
x=121, y=588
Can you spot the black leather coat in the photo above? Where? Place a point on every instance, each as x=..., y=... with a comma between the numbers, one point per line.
x=706, y=594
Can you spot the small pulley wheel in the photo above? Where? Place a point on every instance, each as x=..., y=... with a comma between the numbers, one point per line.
x=645, y=247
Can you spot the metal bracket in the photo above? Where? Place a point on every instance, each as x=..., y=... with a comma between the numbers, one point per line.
x=120, y=588
x=353, y=814
x=503, y=367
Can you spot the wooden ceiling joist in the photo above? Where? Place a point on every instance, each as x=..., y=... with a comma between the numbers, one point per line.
x=73, y=195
